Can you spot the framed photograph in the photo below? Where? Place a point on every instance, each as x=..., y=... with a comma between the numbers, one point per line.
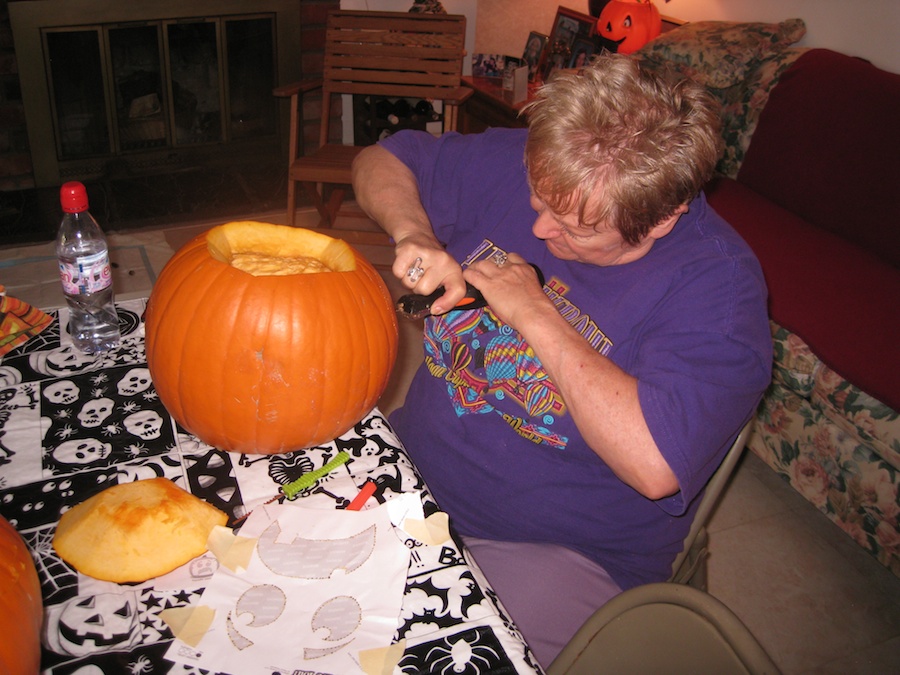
x=582, y=50
x=535, y=47
x=488, y=65
x=568, y=27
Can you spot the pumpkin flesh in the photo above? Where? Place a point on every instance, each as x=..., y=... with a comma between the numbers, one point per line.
x=263, y=363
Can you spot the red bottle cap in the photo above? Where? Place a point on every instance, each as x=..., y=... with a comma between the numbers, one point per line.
x=73, y=197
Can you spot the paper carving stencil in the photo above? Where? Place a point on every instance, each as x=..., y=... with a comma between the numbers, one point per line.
x=320, y=586
x=339, y=618
x=314, y=559
x=263, y=603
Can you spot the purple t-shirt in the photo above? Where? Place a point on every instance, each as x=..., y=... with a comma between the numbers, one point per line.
x=488, y=429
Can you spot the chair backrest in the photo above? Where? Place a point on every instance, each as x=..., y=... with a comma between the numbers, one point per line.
x=395, y=54
x=685, y=564
x=663, y=628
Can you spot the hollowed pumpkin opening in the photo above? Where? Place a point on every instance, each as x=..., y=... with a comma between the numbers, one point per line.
x=262, y=249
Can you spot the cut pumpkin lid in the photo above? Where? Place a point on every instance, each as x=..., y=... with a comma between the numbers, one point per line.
x=135, y=531
x=265, y=249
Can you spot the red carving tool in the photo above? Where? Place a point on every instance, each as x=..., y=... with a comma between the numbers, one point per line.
x=367, y=490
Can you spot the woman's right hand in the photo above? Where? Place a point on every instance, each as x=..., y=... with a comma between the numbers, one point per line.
x=387, y=191
x=439, y=269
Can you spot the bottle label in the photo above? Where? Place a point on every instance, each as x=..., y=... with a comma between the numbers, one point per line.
x=89, y=274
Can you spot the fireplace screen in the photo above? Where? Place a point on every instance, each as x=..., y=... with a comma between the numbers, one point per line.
x=79, y=102
x=137, y=79
x=169, y=83
x=157, y=85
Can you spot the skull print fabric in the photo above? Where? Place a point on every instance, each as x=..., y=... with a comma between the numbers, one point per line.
x=102, y=418
x=72, y=425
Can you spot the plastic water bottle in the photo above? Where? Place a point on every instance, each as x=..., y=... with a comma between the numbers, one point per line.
x=85, y=273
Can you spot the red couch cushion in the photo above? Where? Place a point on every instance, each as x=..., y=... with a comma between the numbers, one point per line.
x=840, y=298
x=827, y=147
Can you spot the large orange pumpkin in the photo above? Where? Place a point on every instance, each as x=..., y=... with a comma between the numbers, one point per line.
x=21, y=609
x=253, y=353
x=629, y=24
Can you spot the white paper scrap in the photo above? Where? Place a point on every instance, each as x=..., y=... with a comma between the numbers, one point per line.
x=320, y=587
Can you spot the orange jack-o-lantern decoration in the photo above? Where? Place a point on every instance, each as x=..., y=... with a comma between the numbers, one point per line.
x=264, y=339
x=627, y=25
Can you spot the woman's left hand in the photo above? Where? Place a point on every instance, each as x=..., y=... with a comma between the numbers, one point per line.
x=512, y=289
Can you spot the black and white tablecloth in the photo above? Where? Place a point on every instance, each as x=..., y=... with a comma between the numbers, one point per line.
x=72, y=425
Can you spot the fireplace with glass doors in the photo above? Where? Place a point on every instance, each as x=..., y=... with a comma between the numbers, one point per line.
x=147, y=87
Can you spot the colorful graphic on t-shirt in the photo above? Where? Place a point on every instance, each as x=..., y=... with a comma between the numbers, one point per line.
x=488, y=367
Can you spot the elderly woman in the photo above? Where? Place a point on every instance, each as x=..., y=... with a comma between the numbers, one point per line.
x=569, y=430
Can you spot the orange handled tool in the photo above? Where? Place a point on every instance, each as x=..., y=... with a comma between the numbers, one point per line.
x=415, y=306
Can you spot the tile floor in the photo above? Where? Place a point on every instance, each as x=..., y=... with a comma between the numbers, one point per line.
x=815, y=600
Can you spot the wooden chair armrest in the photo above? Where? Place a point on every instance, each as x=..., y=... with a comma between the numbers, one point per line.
x=295, y=88
x=459, y=97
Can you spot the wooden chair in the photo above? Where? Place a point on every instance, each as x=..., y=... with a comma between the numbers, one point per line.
x=383, y=54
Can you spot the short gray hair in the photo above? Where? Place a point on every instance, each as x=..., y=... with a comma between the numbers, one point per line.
x=649, y=139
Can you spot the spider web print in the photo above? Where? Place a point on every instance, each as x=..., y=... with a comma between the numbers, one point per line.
x=57, y=580
x=46, y=339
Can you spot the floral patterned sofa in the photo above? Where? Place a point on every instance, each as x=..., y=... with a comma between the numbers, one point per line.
x=810, y=179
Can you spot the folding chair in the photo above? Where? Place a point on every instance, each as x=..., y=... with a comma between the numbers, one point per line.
x=690, y=565
x=663, y=628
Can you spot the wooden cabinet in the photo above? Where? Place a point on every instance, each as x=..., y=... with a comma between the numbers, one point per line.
x=375, y=117
x=489, y=106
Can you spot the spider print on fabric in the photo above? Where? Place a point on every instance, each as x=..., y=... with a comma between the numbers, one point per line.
x=461, y=656
x=476, y=651
x=140, y=666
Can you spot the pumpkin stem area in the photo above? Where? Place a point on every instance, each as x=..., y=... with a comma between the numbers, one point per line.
x=263, y=249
